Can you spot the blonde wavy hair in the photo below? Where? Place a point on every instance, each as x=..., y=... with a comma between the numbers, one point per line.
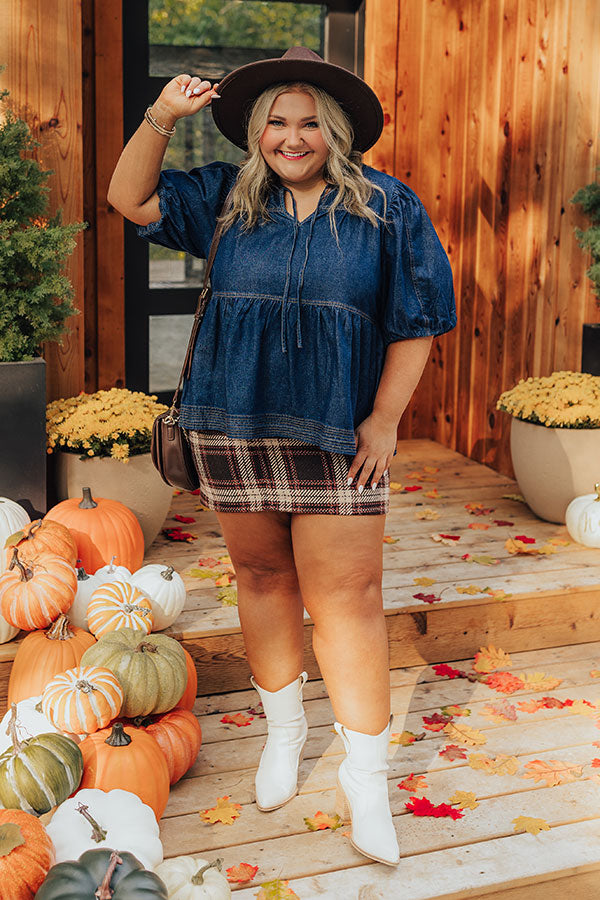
x=342, y=168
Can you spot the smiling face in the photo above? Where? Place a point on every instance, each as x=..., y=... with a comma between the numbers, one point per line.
x=292, y=143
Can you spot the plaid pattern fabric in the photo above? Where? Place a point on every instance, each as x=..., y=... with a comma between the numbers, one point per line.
x=252, y=474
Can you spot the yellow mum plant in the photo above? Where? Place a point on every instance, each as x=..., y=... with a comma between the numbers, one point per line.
x=561, y=400
x=116, y=423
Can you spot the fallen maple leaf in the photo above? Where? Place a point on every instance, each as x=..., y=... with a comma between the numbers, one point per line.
x=427, y=513
x=539, y=681
x=560, y=542
x=455, y=711
x=487, y=659
x=441, y=539
x=276, y=890
x=435, y=722
x=406, y=738
x=472, y=589
x=464, y=800
x=413, y=783
x=453, y=751
x=176, y=534
x=595, y=763
x=238, y=719
x=224, y=811
x=530, y=824
x=483, y=559
x=241, y=873
x=501, y=711
x=428, y=598
x=505, y=682
x=222, y=580
x=502, y=522
x=185, y=520
x=421, y=806
x=209, y=561
x=387, y=539
x=200, y=573
x=445, y=670
x=395, y=486
x=530, y=706
x=500, y=765
x=322, y=820
x=433, y=493
x=464, y=734
x=422, y=580
x=431, y=469
x=553, y=772
x=518, y=497
x=481, y=526
x=450, y=537
x=498, y=594
x=228, y=596
x=413, y=487
x=595, y=673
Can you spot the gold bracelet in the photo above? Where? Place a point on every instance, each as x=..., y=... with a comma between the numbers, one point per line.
x=157, y=127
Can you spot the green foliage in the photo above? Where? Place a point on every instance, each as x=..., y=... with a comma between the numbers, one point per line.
x=235, y=23
x=35, y=297
x=589, y=199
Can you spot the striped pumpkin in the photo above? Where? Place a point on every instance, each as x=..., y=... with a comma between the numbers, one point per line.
x=40, y=772
x=119, y=605
x=83, y=699
x=35, y=593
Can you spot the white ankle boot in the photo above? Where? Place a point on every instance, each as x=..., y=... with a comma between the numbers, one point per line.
x=362, y=794
x=276, y=779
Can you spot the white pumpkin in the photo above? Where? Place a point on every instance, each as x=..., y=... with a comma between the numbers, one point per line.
x=31, y=721
x=12, y=518
x=7, y=631
x=181, y=873
x=582, y=518
x=86, y=585
x=118, y=818
x=165, y=589
x=111, y=572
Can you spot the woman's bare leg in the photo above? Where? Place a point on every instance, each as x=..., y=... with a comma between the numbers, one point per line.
x=339, y=561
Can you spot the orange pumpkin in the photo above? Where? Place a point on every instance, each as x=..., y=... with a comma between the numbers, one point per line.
x=179, y=736
x=102, y=529
x=42, y=536
x=189, y=695
x=126, y=758
x=24, y=867
x=34, y=593
x=82, y=699
x=119, y=604
x=42, y=654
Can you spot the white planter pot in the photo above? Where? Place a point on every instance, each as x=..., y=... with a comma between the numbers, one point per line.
x=137, y=484
x=554, y=465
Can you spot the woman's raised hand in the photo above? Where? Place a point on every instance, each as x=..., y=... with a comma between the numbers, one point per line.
x=186, y=95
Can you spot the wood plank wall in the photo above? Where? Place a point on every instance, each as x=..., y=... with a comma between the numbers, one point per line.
x=492, y=112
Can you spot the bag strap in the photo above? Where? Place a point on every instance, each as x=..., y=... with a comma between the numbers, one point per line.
x=203, y=299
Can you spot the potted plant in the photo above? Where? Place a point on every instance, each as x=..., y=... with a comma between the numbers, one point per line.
x=35, y=302
x=554, y=439
x=102, y=441
x=588, y=198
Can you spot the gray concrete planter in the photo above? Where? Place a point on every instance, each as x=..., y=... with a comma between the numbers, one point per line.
x=23, y=434
x=554, y=465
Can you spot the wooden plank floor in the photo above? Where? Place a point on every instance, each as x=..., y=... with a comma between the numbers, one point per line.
x=475, y=856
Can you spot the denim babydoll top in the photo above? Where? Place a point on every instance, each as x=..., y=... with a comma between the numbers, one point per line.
x=293, y=339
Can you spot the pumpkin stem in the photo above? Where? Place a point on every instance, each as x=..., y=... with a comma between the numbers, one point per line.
x=168, y=574
x=118, y=737
x=82, y=575
x=597, y=489
x=198, y=878
x=146, y=647
x=98, y=833
x=60, y=630
x=85, y=686
x=35, y=527
x=24, y=571
x=87, y=501
x=130, y=607
x=111, y=566
x=11, y=731
x=142, y=721
x=104, y=892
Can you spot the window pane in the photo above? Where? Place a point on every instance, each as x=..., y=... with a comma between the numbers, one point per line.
x=168, y=337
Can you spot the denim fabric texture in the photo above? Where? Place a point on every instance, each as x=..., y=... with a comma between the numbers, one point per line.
x=294, y=337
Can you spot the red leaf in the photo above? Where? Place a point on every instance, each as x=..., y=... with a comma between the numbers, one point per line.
x=428, y=598
x=502, y=522
x=525, y=539
x=421, y=806
x=413, y=487
x=241, y=873
x=186, y=520
x=596, y=763
x=208, y=561
x=451, y=537
x=176, y=534
x=445, y=669
x=453, y=751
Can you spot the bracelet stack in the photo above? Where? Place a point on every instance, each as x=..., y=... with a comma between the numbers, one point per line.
x=157, y=127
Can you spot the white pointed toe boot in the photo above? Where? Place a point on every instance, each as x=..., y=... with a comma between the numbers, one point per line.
x=362, y=794
x=276, y=779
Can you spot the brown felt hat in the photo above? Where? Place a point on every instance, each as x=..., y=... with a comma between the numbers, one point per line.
x=240, y=88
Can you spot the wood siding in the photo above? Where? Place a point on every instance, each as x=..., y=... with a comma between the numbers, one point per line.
x=492, y=112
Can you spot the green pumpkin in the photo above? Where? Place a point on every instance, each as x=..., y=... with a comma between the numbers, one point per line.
x=151, y=669
x=102, y=873
x=39, y=773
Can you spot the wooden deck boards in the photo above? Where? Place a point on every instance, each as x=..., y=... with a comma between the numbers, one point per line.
x=474, y=856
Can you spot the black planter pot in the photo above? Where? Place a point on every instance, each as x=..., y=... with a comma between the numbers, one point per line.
x=23, y=434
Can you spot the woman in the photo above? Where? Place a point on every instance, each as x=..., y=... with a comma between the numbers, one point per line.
x=329, y=284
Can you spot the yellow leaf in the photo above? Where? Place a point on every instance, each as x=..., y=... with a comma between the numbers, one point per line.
x=559, y=542
x=578, y=707
x=431, y=469
x=595, y=673
x=498, y=594
x=200, y=573
x=500, y=765
x=472, y=589
x=553, y=772
x=443, y=540
x=464, y=734
x=224, y=811
x=424, y=581
x=455, y=710
x=539, y=681
x=222, y=580
x=228, y=595
x=225, y=560
x=487, y=659
x=433, y=494
x=518, y=497
x=322, y=820
x=405, y=739
x=530, y=824
x=478, y=526
x=427, y=513
x=396, y=485
x=276, y=890
x=463, y=799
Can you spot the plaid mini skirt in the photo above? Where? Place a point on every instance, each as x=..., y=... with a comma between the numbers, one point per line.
x=252, y=474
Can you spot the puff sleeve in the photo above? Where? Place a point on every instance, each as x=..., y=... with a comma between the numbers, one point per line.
x=189, y=204
x=418, y=288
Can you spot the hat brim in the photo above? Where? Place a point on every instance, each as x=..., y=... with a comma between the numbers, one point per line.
x=240, y=88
